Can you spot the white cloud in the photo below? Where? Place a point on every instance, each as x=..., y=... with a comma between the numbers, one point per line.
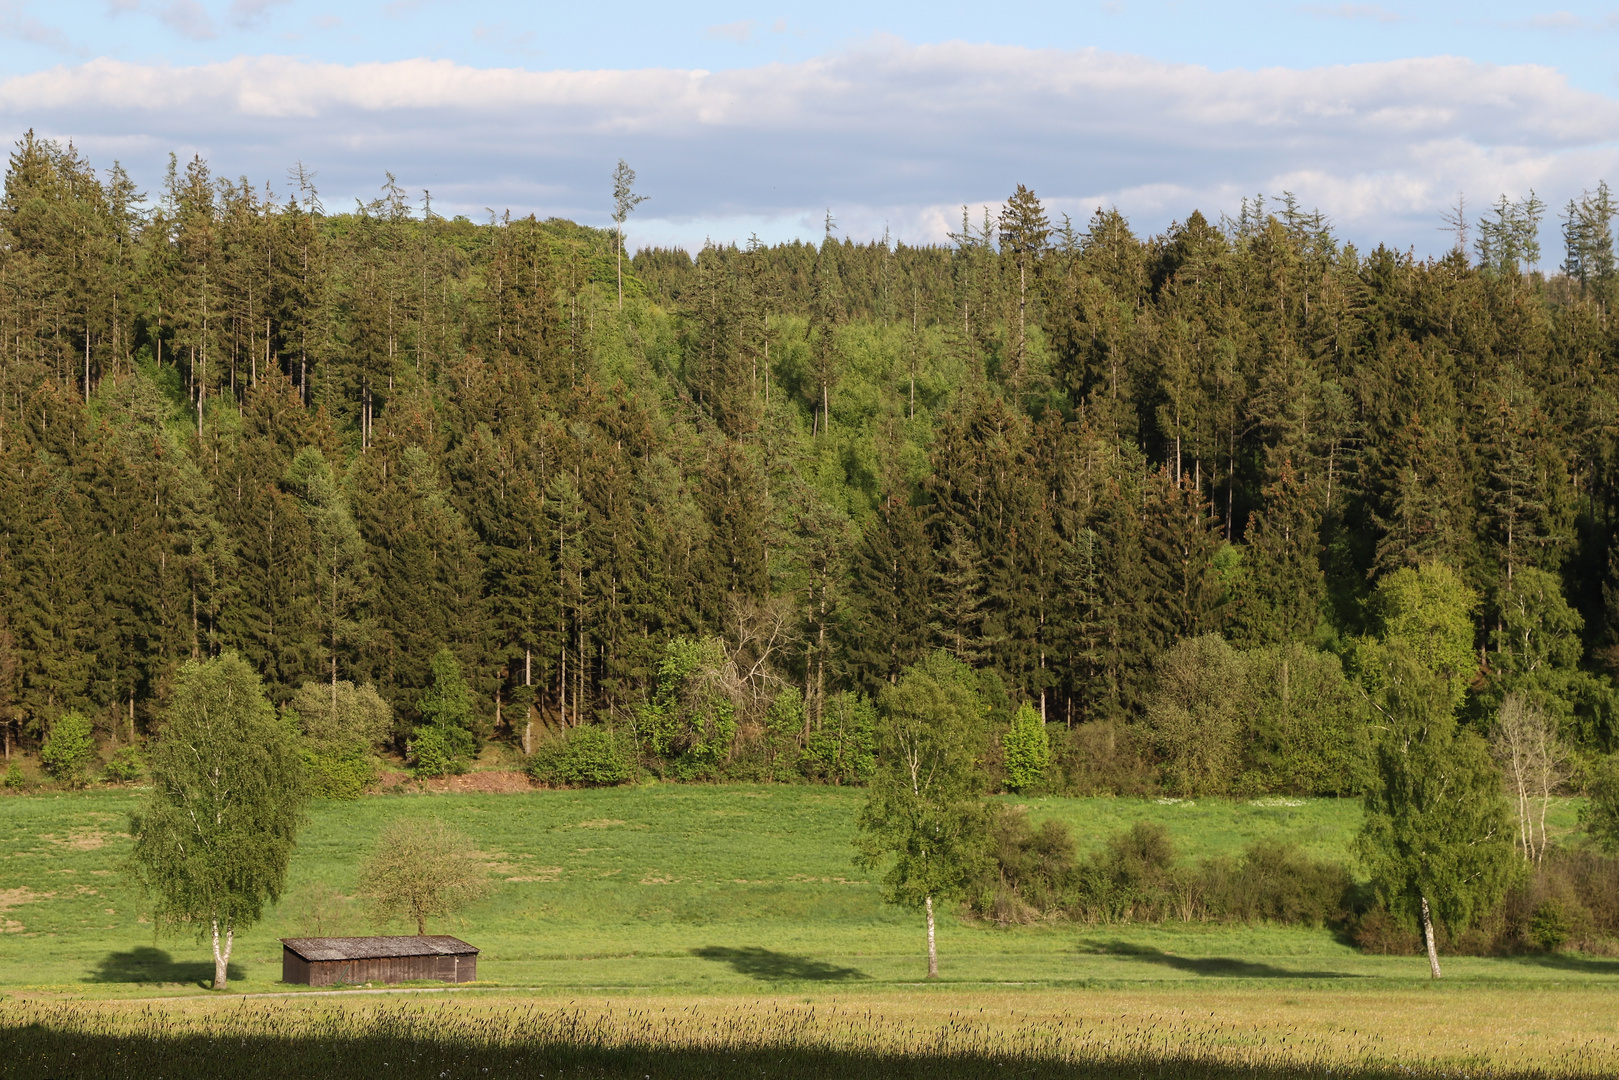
x=884, y=132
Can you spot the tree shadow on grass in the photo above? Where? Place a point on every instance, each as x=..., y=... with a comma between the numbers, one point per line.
x=145, y=964
x=768, y=966
x=1214, y=966
x=1588, y=965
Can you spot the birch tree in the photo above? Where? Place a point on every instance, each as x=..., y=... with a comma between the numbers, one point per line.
x=923, y=818
x=216, y=831
x=1436, y=834
x=1534, y=764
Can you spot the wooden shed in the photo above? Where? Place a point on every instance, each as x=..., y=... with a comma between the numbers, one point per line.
x=323, y=961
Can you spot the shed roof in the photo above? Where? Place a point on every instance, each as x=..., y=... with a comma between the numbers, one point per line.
x=368, y=948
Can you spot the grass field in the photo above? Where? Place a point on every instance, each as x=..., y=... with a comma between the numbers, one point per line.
x=685, y=889
x=677, y=931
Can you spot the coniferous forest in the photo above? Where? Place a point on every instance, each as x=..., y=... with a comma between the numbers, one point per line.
x=1167, y=492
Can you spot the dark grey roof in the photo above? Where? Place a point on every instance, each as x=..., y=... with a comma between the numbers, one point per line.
x=367, y=948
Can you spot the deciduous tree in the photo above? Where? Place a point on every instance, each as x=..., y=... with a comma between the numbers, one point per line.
x=215, y=833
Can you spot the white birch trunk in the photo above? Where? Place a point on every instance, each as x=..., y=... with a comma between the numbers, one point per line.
x=933, y=947
x=222, y=959
x=1427, y=933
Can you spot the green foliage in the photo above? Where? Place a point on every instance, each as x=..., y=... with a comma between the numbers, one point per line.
x=582, y=501
x=13, y=780
x=1196, y=711
x=1274, y=881
x=786, y=721
x=125, y=766
x=215, y=832
x=1133, y=877
x=1026, y=750
x=421, y=869
x=342, y=716
x=1549, y=926
x=1600, y=814
x=691, y=720
x=438, y=751
x=1136, y=877
x=1538, y=629
x=842, y=749
x=1437, y=825
x=69, y=749
x=1306, y=732
x=338, y=774
x=1424, y=613
x=593, y=756
x=448, y=704
x=445, y=741
x=923, y=819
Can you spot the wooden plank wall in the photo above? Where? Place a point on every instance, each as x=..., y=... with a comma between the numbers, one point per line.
x=384, y=969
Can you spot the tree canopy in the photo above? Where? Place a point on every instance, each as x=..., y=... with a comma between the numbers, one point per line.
x=214, y=834
x=347, y=446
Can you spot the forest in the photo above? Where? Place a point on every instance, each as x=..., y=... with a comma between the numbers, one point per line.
x=1168, y=493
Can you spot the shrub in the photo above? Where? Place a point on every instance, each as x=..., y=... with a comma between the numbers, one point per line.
x=1381, y=931
x=343, y=716
x=1026, y=750
x=1600, y=814
x=1276, y=881
x=1102, y=757
x=339, y=774
x=691, y=720
x=1195, y=714
x=1307, y=731
x=439, y=751
x=69, y=749
x=1550, y=926
x=125, y=766
x=592, y=756
x=447, y=738
x=1133, y=878
x=14, y=780
x=1031, y=871
x=843, y=748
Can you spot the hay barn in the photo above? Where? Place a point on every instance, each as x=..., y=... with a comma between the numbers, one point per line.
x=327, y=960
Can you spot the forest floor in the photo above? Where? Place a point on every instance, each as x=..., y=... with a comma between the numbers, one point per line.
x=675, y=897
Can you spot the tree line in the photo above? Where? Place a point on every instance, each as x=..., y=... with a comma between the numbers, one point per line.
x=709, y=522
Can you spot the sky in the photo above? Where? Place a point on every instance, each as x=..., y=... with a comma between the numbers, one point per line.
x=743, y=119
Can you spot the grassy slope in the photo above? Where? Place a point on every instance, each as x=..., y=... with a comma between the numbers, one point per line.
x=684, y=889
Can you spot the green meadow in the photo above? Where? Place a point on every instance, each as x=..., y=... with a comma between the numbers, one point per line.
x=683, y=889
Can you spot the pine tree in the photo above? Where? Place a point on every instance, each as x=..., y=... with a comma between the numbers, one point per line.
x=885, y=628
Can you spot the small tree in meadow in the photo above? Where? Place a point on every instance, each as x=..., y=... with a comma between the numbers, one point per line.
x=923, y=817
x=1025, y=750
x=215, y=833
x=70, y=749
x=421, y=868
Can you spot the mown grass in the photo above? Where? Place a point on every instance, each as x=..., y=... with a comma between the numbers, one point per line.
x=1449, y=1032
x=683, y=889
